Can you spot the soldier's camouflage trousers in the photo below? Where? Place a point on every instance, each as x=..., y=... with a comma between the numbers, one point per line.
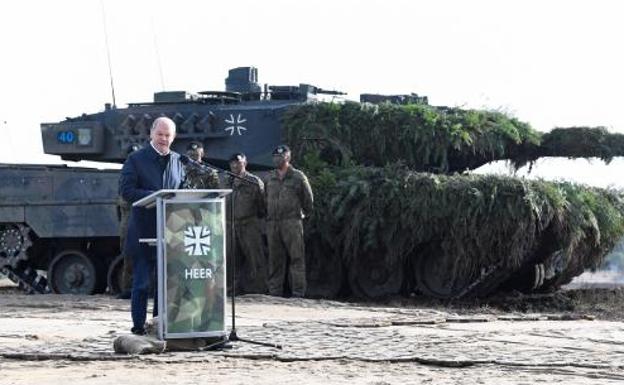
x=286, y=247
x=251, y=261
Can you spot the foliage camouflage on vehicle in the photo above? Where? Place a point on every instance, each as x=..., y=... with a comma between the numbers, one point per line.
x=434, y=139
x=391, y=230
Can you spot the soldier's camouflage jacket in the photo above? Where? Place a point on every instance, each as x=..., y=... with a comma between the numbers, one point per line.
x=200, y=179
x=248, y=197
x=289, y=198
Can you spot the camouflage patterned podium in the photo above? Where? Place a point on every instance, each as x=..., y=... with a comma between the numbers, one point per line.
x=191, y=259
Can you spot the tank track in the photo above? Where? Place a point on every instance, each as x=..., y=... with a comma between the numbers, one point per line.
x=14, y=242
x=27, y=278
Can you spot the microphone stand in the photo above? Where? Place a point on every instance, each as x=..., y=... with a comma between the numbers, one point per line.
x=207, y=167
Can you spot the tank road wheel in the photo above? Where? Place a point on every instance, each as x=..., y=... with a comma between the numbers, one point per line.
x=114, y=277
x=433, y=272
x=324, y=272
x=72, y=272
x=372, y=277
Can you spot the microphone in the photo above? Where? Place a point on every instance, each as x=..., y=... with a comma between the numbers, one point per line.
x=185, y=160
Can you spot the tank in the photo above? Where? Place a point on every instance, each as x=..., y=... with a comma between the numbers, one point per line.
x=398, y=212
x=395, y=211
x=61, y=220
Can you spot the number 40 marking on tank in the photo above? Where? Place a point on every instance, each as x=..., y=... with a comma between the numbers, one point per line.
x=235, y=124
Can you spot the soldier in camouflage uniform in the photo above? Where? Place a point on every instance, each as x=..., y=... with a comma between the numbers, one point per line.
x=124, y=209
x=196, y=178
x=289, y=199
x=249, y=208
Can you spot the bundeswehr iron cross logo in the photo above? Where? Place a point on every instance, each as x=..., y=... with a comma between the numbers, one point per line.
x=197, y=240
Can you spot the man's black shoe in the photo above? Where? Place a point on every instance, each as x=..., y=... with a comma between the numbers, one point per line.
x=137, y=331
x=124, y=295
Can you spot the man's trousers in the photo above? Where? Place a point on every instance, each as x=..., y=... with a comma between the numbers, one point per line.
x=286, y=247
x=143, y=274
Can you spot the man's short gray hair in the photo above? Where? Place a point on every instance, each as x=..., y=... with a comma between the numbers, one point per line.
x=163, y=120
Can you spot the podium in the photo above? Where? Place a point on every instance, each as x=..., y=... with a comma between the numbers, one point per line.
x=191, y=261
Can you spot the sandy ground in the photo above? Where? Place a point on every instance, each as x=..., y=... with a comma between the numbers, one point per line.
x=51, y=339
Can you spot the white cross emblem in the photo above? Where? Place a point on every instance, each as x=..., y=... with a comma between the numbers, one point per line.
x=235, y=124
x=197, y=240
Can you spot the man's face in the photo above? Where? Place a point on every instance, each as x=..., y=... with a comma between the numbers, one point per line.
x=237, y=166
x=280, y=160
x=162, y=136
x=196, y=154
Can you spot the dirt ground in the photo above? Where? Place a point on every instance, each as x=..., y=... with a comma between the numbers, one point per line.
x=571, y=337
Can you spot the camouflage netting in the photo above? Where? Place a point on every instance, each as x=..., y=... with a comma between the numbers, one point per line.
x=388, y=229
x=576, y=142
x=434, y=139
x=379, y=228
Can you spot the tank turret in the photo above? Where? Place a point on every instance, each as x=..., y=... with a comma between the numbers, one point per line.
x=240, y=118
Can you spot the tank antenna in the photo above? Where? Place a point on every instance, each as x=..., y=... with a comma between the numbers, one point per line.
x=110, y=67
x=160, y=70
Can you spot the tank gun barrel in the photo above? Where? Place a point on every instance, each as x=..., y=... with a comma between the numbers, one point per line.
x=329, y=92
x=433, y=139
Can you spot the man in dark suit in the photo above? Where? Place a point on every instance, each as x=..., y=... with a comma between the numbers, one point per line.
x=145, y=171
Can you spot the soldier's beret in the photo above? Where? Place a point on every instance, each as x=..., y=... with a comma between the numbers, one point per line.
x=281, y=149
x=194, y=145
x=238, y=157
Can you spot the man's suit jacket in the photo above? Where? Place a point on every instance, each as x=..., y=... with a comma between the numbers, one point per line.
x=142, y=175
